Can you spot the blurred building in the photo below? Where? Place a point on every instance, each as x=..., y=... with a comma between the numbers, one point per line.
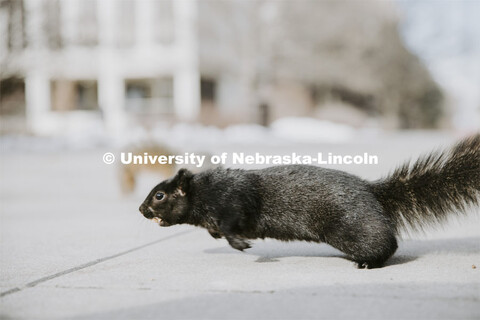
x=102, y=61
x=124, y=63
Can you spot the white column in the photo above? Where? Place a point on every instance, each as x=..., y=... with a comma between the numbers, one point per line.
x=37, y=98
x=186, y=76
x=37, y=81
x=110, y=81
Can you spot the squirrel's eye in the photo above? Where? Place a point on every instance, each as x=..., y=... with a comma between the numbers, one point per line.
x=159, y=196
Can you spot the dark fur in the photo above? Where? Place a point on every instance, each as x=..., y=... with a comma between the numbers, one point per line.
x=300, y=202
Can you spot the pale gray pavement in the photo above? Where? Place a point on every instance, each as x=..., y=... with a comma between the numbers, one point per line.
x=73, y=247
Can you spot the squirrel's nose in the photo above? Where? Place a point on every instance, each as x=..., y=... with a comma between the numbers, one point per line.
x=145, y=211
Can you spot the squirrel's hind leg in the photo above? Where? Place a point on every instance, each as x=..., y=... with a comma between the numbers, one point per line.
x=369, y=256
x=369, y=245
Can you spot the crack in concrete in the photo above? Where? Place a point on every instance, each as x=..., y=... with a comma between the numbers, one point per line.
x=89, y=264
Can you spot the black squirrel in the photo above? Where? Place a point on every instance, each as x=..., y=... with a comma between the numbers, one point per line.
x=301, y=202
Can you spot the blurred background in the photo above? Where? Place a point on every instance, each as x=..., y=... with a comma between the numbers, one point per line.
x=109, y=67
x=79, y=78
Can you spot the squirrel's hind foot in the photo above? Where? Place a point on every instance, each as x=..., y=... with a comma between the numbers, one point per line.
x=369, y=265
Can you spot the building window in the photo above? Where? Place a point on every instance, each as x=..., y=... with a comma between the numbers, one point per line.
x=13, y=25
x=149, y=96
x=52, y=24
x=87, y=95
x=138, y=94
x=207, y=89
x=12, y=96
x=68, y=95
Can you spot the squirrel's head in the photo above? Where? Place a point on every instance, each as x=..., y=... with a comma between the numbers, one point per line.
x=167, y=202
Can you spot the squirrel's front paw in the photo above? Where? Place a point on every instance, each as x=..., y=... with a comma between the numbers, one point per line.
x=215, y=234
x=239, y=244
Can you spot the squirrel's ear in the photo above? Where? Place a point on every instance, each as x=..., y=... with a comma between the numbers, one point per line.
x=182, y=179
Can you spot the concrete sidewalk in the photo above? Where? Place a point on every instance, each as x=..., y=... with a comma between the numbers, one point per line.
x=73, y=247
x=189, y=275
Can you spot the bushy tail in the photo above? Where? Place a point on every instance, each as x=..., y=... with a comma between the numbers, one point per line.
x=425, y=192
